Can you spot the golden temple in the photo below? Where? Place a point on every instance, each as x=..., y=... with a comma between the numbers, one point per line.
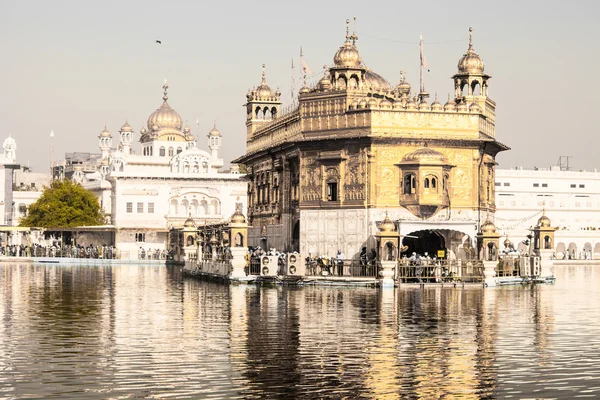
x=323, y=175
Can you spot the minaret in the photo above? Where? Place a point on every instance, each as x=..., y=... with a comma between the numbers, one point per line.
x=470, y=81
x=262, y=105
x=126, y=138
x=105, y=142
x=214, y=144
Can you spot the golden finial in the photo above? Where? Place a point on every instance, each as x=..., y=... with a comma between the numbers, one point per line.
x=165, y=87
x=470, y=38
x=347, y=30
x=354, y=37
x=264, y=78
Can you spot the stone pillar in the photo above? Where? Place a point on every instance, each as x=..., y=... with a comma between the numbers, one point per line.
x=238, y=263
x=547, y=263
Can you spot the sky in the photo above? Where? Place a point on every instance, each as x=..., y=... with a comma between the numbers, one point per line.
x=74, y=66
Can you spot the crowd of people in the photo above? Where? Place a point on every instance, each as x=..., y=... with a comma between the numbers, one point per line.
x=57, y=250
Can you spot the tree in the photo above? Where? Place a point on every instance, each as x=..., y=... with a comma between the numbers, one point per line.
x=62, y=205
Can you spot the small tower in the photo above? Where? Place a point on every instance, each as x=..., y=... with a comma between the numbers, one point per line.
x=388, y=241
x=105, y=142
x=262, y=105
x=488, y=242
x=470, y=74
x=543, y=235
x=214, y=142
x=104, y=167
x=126, y=138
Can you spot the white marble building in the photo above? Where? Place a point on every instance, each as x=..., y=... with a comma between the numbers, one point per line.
x=571, y=200
x=144, y=195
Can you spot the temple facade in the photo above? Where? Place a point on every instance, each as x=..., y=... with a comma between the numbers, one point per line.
x=323, y=174
x=149, y=191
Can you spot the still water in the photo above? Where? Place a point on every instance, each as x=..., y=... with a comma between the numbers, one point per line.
x=147, y=332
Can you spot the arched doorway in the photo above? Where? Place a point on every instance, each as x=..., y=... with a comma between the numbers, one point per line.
x=421, y=242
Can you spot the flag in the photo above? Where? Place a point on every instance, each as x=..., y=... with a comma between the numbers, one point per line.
x=423, y=59
x=51, y=134
x=303, y=64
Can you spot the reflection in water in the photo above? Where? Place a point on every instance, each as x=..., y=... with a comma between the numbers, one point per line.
x=138, y=332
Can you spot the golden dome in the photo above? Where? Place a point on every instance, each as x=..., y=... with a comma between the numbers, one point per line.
x=238, y=217
x=362, y=103
x=488, y=227
x=507, y=243
x=470, y=63
x=398, y=104
x=474, y=107
x=375, y=82
x=105, y=132
x=544, y=221
x=403, y=87
x=411, y=105
x=189, y=223
x=373, y=103
x=325, y=82
x=304, y=89
x=347, y=55
x=436, y=106
x=126, y=127
x=423, y=106
x=450, y=104
x=425, y=155
x=164, y=117
x=214, y=131
x=461, y=107
x=387, y=225
x=385, y=104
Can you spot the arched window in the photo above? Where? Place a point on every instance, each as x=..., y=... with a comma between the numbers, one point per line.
x=426, y=183
x=433, y=183
x=161, y=151
x=170, y=152
x=547, y=242
x=410, y=184
x=179, y=150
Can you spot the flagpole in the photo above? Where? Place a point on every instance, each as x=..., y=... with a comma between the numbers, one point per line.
x=422, y=93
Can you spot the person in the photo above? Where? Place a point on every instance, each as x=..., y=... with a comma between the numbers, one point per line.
x=340, y=262
x=363, y=261
x=418, y=268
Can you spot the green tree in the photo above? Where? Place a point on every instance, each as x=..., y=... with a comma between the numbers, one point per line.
x=62, y=205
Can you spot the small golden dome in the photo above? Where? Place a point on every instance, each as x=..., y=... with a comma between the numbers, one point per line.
x=387, y=225
x=471, y=63
x=488, y=227
x=398, y=104
x=507, y=243
x=238, y=218
x=425, y=155
x=189, y=223
x=450, y=104
x=474, y=108
x=544, y=221
x=126, y=127
x=105, y=162
x=105, y=132
x=353, y=105
x=214, y=240
x=325, y=82
x=304, y=89
x=411, y=105
x=347, y=56
x=214, y=131
x=436, y=106
x=461, y=107
x=423, y=106
x=403, y=87
x=164, y=117
x=362, y=103
x=373, y=103
x=385, y=104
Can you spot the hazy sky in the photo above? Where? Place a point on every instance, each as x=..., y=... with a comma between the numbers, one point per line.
x=71, y=66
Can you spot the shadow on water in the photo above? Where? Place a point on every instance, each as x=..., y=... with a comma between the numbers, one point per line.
x=138, y=332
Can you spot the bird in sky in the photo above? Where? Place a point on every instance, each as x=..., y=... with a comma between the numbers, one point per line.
x=159, y=42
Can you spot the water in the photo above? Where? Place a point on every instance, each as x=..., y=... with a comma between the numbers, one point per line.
x=146, y=332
